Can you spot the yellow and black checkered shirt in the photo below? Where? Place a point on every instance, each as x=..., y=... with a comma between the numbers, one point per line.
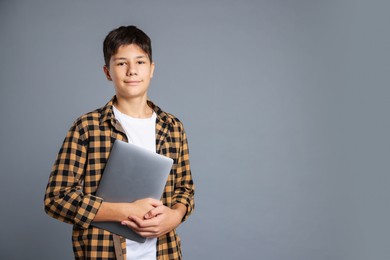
x=70, y=194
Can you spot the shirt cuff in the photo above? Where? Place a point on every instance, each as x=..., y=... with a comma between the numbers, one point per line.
x=87, y=210
x=185, y=202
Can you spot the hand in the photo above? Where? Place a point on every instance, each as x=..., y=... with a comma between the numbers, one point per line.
x=110, y=211
x=141, y=207
x=157, y=221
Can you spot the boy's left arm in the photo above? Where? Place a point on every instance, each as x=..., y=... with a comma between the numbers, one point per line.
x=184, y=185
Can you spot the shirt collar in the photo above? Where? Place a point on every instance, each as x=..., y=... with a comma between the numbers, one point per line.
x=161, y=115
x=108, y=114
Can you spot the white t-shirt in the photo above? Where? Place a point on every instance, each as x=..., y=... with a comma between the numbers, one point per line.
x=141, y=132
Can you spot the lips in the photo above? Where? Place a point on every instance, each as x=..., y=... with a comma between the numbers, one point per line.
x=132, y=82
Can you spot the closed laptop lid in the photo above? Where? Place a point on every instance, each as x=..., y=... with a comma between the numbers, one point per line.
x=132, y=173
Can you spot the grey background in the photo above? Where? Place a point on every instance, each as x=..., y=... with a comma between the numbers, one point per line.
x=285, y=104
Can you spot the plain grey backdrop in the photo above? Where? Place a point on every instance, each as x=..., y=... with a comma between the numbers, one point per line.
x=285, y=103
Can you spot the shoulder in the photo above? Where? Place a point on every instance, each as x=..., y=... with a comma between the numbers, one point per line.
x=176, y=127
x=86, y=126
x=165, y=117
x=96, y=117
x=89, y=119
x=91, y=123
x=174, y=123
x=174, y=120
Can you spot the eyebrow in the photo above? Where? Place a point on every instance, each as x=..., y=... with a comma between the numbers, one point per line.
x=138, y=57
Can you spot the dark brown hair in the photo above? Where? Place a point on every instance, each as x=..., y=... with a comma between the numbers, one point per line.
x=125, y=35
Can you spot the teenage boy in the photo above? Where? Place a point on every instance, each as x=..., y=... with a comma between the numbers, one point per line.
x=129, y=116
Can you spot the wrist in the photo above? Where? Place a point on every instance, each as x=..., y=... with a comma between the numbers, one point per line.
x=180, y=211
x=111, y=212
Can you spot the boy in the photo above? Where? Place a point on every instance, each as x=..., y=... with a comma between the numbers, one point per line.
x=129, y=116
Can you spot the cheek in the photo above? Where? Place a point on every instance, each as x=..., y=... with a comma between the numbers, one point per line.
x=116, y=73
x=150, y=72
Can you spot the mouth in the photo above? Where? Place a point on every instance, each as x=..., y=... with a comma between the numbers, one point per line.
x=132, y=82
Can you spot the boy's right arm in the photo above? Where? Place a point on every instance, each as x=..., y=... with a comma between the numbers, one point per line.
x=64, y=197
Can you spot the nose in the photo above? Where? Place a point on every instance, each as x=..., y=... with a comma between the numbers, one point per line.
x=131, y=70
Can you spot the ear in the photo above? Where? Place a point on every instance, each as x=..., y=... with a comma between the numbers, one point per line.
x=151, y=69
x=107, y=72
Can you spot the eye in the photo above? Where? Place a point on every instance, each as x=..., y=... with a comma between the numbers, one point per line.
x=121, y=63
x=141, y=62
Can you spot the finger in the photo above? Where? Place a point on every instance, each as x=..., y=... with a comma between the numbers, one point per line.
x=133, y=225
x=154, y=212
x=127, y=223
x=136, y=220
x=144, y=232
x=130, y=224
x=144, y=223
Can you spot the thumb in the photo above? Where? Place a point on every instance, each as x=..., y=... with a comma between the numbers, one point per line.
x=156, y=203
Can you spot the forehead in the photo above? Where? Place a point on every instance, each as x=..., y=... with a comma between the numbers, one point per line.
x=129, y=51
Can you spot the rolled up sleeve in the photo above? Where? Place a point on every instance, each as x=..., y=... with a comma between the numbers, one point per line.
x=64, y=197
x=184, y=185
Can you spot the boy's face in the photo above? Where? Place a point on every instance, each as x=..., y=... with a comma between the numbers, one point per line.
x=131, y=71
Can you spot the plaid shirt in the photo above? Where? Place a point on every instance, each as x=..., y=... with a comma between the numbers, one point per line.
x=70, y=194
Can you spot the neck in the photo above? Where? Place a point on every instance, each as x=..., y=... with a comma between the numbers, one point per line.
x=137, y=108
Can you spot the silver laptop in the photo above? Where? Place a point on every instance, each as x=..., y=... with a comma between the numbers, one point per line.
x=132, y=173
